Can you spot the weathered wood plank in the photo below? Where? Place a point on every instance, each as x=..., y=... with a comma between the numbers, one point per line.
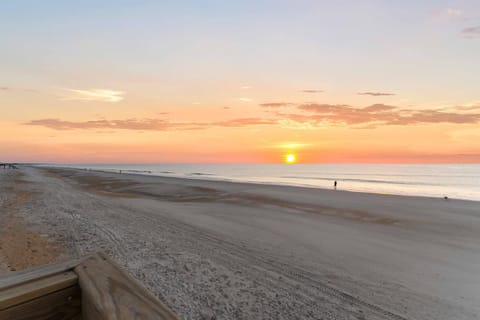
x=16, y=278
x=60, y=305
x=110, y=293
x=36, y=288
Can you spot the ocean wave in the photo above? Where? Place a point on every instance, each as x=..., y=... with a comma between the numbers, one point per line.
x=358, y=180
x=135, y=171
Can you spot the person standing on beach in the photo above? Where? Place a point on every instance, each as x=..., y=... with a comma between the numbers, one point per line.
x=335, y=185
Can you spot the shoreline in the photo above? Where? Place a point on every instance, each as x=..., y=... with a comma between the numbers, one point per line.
x=246, y=251
x=255, y=183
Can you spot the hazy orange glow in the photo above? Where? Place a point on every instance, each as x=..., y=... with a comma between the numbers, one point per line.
x=441, y=143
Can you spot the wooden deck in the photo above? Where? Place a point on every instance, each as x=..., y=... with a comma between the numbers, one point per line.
x=94, y=288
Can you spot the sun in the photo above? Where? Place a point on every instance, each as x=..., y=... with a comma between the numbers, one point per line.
x=290, y=158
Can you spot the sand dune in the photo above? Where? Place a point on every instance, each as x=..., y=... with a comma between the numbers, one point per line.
x=223, y=250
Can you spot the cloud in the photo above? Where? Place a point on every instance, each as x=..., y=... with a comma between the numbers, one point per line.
x=145, y=124
x=101, y=95
x=276, y=104
x=307, y=117
x=375, y=94
x=472, y=32
x=312, y=91
x=373, y=116
x=132, y=124
x=453, y=12
x=297, y=125
x=375, y=108
x=472, y=106
x=468, y=108
x=243, y=122
x=16, y=89
x=245, y=87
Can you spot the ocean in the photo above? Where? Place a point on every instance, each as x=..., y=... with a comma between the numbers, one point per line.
x=460, y=181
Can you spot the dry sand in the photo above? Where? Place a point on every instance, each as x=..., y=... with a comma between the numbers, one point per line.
x=220, y=250
x=20, y=248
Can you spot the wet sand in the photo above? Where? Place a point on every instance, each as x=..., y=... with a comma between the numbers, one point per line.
x=224, y=250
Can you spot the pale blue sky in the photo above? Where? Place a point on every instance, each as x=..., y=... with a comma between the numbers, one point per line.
x=413, y=48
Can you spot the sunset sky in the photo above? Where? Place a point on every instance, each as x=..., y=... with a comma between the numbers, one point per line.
x=240, y=81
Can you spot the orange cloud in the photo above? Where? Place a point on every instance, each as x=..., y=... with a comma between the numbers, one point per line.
x=375, y=94
x=312, y=91
x=376, y=115
x=145, y=124
x=276, y=104
x=243, y=122
x=468, y=108
x=311, y=116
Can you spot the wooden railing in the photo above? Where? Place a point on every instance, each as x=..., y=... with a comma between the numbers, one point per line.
x=94, y=288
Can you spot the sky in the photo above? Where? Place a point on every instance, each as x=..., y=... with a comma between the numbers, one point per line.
x=240, y=81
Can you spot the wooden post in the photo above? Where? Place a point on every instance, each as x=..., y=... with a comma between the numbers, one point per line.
x=110, y=293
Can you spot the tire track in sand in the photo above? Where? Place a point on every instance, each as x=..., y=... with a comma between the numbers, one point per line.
x=260, y=260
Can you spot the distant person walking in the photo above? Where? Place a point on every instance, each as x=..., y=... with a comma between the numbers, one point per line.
x=335, y=185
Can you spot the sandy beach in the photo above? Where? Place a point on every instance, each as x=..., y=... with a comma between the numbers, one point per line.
x=222, y=250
